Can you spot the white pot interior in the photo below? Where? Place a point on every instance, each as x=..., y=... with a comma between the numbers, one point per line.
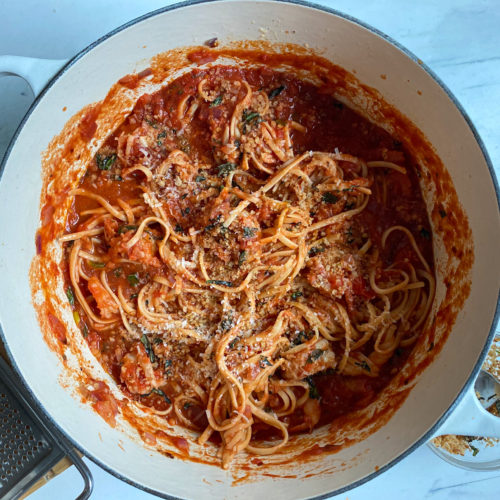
x=350, y=46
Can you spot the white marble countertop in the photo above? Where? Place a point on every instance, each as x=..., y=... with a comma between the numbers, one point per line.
x=458, y=39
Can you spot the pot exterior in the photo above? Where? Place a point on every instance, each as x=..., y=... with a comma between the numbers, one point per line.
x=407, y=86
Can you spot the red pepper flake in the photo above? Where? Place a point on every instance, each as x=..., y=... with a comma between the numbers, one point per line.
x=38, y=243
x=144, y=73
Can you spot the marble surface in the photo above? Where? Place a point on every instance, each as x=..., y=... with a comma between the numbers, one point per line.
x=458, y=39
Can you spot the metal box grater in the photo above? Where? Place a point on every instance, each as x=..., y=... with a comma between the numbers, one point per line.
x=28, y=449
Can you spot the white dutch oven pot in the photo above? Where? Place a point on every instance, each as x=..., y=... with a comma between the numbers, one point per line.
x=442, y=400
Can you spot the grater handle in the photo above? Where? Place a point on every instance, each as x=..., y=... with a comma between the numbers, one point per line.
x=82, y=469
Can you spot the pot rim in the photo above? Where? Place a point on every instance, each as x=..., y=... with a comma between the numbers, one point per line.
x=304, y=3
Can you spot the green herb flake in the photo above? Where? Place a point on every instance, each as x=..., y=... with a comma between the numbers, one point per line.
x=315, y=354
x=117, y=272
x=70, y=295
x=224, y=169
x=226, y=323
x=296, y=295
x=200, y=178
x=97, y=265
x=216, y=102
x=126, y=227
x=168, y=363
x=313, y=390
x=220, y=283
x=425, y=234
x=263, y=362
x=315, y=251
x=329, y=197
x=187, y=405
x=105, y=162
x=185, y=211
x=234, y=342
x=179, y=229
x=249, y=232
x=149, y=350
x=85, y=330
x=242, y=258
x=364, y=365
x=475, y=450
x=251, y=116
x=276, y=92
x=151, y=123
x=118, y=178
x=133, y=279
x=162, y=394
x=281, y=123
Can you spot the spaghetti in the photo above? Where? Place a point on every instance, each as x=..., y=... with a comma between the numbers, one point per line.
x=249, y=258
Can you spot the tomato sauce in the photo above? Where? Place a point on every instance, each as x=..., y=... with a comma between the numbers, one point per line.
x=331, y=126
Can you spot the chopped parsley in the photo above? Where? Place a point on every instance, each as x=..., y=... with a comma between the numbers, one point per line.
x=185, y=211
x=249, y=232
x=242, y=258
x=216, y=102
x=187, y=405
x=251, y=116
x=425, y=234
x=168, y=363
x=313, y=390
x=315, y=354
x=126, y=227
x=349, y=236
x=225, y=168
x=226, y=323
x=161, y=393
x=213, y=223
x=234, y=342
x=276, y=92
x=200, y=178
x=149, y=350
x=329, y=197
x=70, y=295
x=220, y=283
x=475, y=450
x=301, y=337
x=296, y=295
x=117, y=272
x=105, y=162
x=315, y=251
x=85, y=330
x=263, y=362
x=178, y=228
x=159, y=138
x=363, y=364
x=151, y=123
x=133, y=279
x=97, y=265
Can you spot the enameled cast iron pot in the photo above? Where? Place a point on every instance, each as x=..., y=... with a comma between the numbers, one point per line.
x=442, y=393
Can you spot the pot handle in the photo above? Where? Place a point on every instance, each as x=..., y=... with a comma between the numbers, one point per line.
x=37, y=72
x=469, y=418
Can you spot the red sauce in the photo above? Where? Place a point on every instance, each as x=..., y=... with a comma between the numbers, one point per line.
x=330, y=125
